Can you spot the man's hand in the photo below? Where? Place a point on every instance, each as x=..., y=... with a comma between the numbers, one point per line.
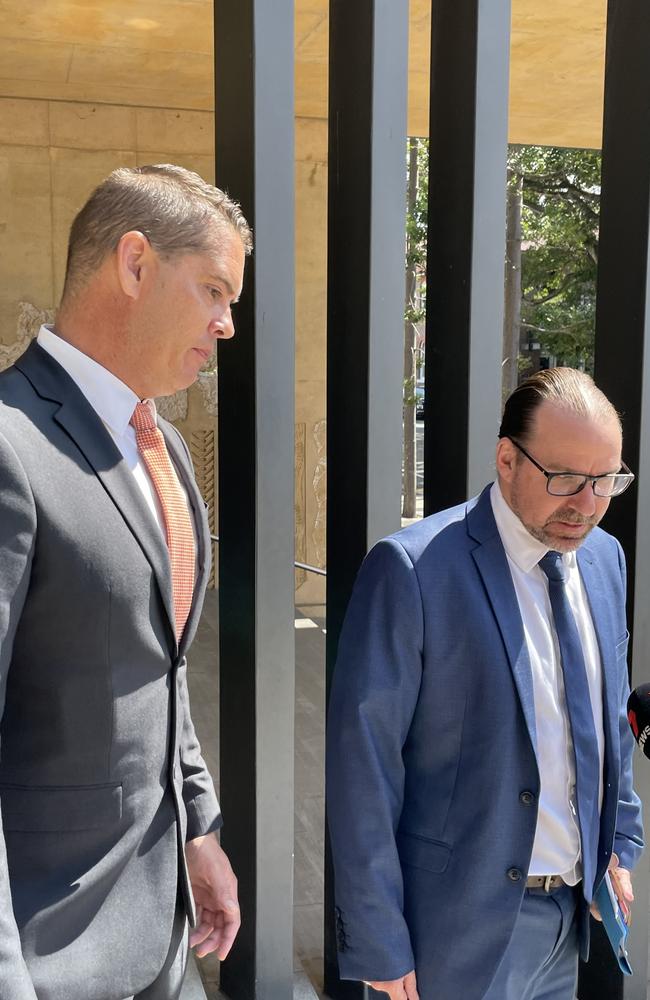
x=214, y=887
x=621, y=884
x=398, y=989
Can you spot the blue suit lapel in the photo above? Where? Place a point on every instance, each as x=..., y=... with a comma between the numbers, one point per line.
x=600, y=605
x=492, y=564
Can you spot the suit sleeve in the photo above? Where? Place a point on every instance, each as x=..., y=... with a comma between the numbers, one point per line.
x=17, y=535
x=374, y=693
x=628, y=840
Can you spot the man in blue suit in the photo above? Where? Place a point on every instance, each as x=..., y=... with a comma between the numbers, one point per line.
x=479, y=757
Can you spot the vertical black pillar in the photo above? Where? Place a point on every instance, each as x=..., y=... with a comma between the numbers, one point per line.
x=254, y=60
x=468, y=135
x=622, y=370
x=366, y=227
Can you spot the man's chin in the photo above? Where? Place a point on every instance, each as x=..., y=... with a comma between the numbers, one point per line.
x=565, y=542
x=181, y=382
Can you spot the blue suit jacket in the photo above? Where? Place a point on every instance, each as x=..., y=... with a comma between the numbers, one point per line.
x=431, y=749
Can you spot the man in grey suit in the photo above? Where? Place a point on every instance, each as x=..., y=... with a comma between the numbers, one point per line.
x=109, y=817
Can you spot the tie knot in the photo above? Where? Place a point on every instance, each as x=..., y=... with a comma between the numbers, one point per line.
x=553, y=566
x=143, y=417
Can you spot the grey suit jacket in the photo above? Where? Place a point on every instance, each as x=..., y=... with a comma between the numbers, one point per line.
x=101, y=776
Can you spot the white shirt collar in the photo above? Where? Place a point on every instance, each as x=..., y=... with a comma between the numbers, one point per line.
x=111, y=399
x=524, y=550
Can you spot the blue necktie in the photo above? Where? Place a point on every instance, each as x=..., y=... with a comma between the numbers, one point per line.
x=583, y=731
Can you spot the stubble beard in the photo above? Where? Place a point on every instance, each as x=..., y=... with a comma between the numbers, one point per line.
x=553, y=541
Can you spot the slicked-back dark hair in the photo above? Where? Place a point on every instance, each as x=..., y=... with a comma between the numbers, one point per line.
x=566, y=388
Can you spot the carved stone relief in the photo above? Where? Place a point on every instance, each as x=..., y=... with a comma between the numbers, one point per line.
x=30, y=320
x=207, y=383
x=173, y=407
x=319, y=485
x=300, y=502
x=202, y=450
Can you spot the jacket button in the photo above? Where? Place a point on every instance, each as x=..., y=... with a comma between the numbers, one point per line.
x=514, y=874
x=527, y=798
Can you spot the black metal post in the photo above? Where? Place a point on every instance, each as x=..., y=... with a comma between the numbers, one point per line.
x=367, y=202
x=621, y=319
x=254, y=59
x=470, y=54
x=622, y=371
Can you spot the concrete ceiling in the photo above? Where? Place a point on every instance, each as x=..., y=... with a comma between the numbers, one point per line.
x=158, y=53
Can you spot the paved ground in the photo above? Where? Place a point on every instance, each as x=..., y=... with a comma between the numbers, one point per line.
x=309, y=797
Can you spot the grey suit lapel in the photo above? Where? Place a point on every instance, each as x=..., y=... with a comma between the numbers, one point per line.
x=492, y=564
x=186, y=475
x=80, y=421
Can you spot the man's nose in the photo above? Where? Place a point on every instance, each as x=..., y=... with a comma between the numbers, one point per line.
x=585, y=500
x=223, y=328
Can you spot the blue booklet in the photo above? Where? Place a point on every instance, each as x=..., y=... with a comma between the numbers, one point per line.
x=613, y=922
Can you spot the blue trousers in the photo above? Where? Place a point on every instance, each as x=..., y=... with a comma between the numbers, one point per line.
x=541, y=960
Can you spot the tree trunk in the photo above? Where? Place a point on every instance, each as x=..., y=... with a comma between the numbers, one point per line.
x=410, y=334
x=512, y=311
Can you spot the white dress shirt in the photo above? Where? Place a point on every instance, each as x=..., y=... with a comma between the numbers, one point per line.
x=113, y=402
x=556, y=848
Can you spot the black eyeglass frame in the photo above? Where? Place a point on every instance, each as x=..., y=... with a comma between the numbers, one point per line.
x=586, y=479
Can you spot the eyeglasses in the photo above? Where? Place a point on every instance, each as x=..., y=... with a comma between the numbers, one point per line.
x=567, y=484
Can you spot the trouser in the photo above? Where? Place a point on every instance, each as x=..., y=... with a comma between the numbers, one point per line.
x=541, y=960
x=169, y=982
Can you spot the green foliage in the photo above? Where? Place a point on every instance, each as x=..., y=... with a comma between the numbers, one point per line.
x=561, y=202
x=416, y=221
x=409, y=395
x=417, y=190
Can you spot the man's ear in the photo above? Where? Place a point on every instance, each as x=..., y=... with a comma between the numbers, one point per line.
x=134, y=261
x=506, y=459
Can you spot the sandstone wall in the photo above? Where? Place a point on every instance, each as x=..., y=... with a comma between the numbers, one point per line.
x=52, y=154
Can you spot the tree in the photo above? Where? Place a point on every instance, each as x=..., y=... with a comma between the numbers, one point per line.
x=512, y=304
x=560, y=204
x=416, y=248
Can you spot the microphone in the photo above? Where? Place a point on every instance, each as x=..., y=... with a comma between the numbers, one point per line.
x=638, y=715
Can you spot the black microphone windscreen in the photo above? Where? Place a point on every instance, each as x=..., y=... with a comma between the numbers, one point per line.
x=638, y=714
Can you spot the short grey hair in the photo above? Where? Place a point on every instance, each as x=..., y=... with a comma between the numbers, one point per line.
x=173, y=207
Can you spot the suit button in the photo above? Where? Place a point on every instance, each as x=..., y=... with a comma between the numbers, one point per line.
x=514, y=874
x=527, y=798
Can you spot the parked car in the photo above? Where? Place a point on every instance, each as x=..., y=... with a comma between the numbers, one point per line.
x=419, y=401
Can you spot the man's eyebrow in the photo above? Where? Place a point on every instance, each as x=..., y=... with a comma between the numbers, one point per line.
x=216, y=276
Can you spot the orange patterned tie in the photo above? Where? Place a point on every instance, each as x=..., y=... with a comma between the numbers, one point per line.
x=178, y=526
